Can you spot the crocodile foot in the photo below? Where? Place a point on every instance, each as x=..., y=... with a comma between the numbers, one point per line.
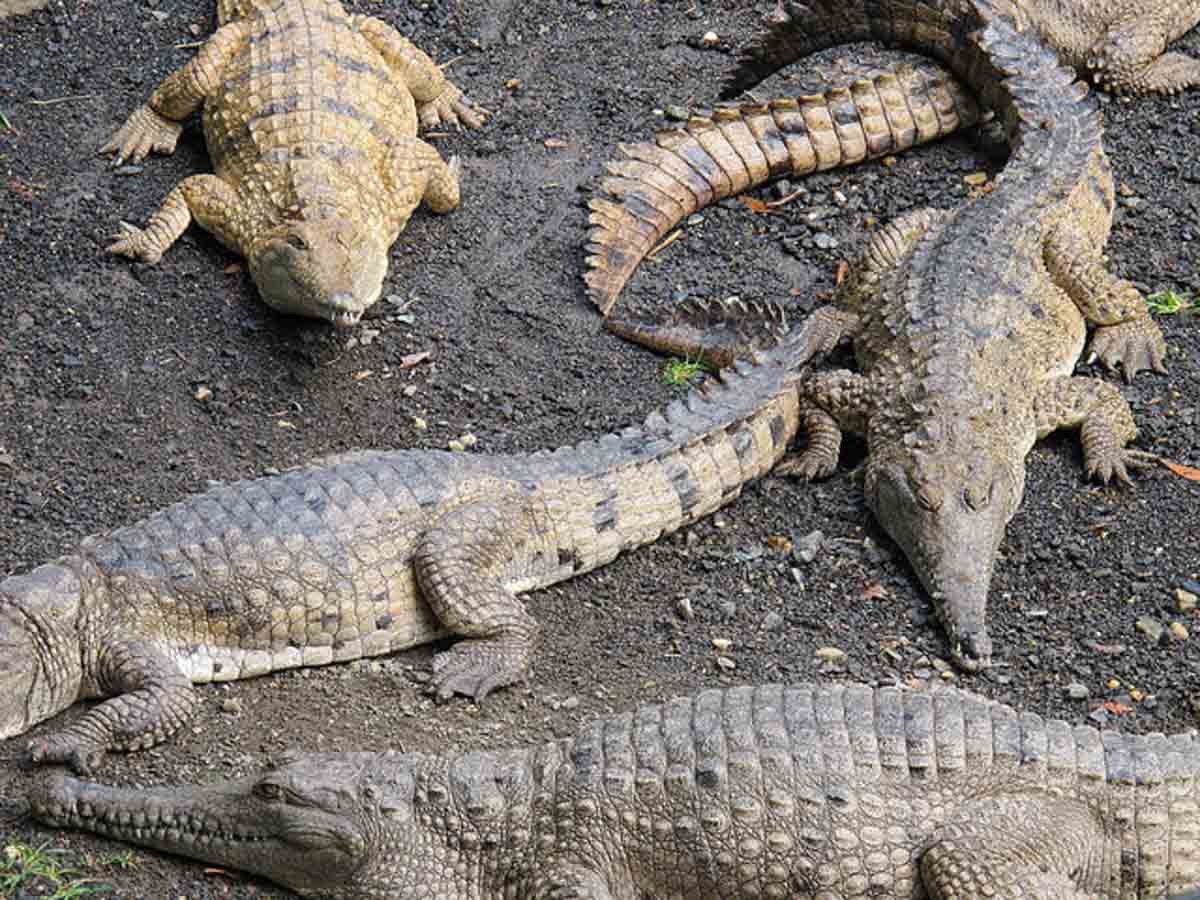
x=1136, y=344
x=1116, y=463
x=477, y=666
x=807, y=466
x=144, y=131
x=135, y=243
x=451, y=107
x=83, y=757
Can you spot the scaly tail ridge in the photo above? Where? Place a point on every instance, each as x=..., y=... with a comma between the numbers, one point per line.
x=657, y=185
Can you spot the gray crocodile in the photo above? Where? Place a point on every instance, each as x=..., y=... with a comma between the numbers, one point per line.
x=1119, y=44
x=360, y=555
x=967, y=324
x=753, y=792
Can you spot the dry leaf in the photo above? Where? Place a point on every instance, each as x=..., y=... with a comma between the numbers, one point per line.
x=755, y=204
x=365, y=373
x=779, y=543
x=1117, y=709
x=1188, y=472
x=874, y=591
x=843, y=270
x=554, y=143
x=413, y=359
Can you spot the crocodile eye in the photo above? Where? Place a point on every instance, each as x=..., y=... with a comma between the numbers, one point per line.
x=268, y=791
x=296, y=242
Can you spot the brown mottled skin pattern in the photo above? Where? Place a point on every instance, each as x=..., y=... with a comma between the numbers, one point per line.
x=361, y=555
x=966, y=358
x=310, y=115
x=1119, y=44
x=806, y=791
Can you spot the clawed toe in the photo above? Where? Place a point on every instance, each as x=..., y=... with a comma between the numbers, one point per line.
x=81, y=760
x=474, y=668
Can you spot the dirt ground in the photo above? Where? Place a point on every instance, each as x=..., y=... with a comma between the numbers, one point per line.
x=101, y=361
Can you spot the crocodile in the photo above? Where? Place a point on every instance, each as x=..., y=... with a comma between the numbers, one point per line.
x=1119, y=44
x=802, y=791
x=364, y=554
x=966, y=359
x=311, y=117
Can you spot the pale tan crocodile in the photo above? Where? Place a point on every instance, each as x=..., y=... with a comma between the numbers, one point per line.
x=311, y=118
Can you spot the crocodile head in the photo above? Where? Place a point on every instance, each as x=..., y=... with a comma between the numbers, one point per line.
x=947, y=509
x=318, y=823
x=327, y=269
x=40, y=669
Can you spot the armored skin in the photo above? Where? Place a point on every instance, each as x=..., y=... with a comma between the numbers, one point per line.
x=310, y=115
x=755, y=792
x=1119, y=44
x=966, y=359
x=361, y=555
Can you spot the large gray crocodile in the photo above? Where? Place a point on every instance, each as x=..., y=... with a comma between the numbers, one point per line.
x=967, y=324
x=310, y=115
x=1119, y=44
x=361, y=555
x=755, y=792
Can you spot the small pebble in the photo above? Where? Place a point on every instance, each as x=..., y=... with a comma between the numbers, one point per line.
x=231, y=705
x=1185, y=601
x=722, y=644
x=830, y=654
x=1151, y=628
x=1077, y=691
x=771, y=621
x=1179, y=631
x=683, y=608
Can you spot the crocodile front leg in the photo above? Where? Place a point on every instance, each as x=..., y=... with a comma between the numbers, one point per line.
x=1103, y=418
x=415, y=173
x=462, y=566
x=207, y=199
x=156, y=125
x=151, y=700
x=439, y=101
x=1015, y=847
x=834, y=401
x=1127, y=335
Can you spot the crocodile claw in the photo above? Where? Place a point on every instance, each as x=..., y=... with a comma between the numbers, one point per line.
x=451, y=107
x=477, y=666
x=133, y=242
x=1115, y=466
x=1136, y=345
x=144, y=131
x=972, y=652
x=81, y=758
x=807, y=466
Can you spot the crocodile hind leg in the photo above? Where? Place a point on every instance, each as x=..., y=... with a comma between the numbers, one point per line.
x=439, y=101
x=833, y=402
x=206, y=198
x=1015, y=847
x=156, y=125
x=151, y=700
x=463, y=566
x=1126, y=335
x=1132, y=59
x=1103, y=418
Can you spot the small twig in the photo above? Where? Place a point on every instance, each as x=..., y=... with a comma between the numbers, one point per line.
x=189, y=45
x=667, y=242
x=451, y=61
x=7, y=125
x=53, y=100
x=783, y=201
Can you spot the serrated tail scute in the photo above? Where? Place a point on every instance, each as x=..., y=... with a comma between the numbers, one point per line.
x=656, y=186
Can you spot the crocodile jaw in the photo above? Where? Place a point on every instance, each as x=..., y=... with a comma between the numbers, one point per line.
x=949, y=516
x=331, y=270
x=314, y=851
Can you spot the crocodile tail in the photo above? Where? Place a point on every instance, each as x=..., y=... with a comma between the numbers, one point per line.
x=717, y=332
x=659, y=184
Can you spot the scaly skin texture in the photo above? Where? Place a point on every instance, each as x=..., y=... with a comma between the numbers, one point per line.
x=738, y=148
x=310, y=116
x=19, y=7
x=1120, y=44
x=822, y=792
x=965, y=360
x=362, y=555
